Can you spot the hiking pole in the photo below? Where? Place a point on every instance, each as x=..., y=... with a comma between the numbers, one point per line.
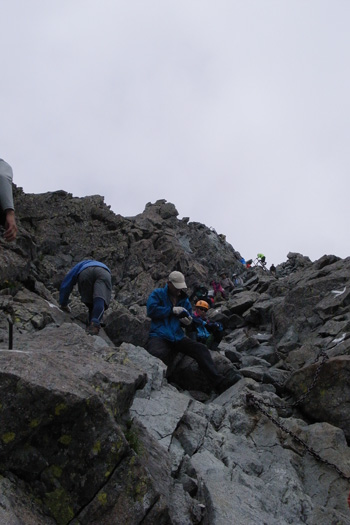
x=10, y=322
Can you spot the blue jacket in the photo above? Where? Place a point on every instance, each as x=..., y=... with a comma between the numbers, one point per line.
x=204, y=327
x=200, y=327
x=71, y=278
x=160, y=309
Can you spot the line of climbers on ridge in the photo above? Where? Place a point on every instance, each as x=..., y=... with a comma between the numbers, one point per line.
x=175, y=327
x=220, y=288
x=260, y=261
x=95, y=288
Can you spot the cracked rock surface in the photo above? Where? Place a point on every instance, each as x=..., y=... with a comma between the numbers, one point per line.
x=93, y=432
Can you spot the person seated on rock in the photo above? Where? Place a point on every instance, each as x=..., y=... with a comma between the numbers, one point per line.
x=7, y=211
x=226, y=282
x=95, y=288
x=204, y=330
x=170, y=311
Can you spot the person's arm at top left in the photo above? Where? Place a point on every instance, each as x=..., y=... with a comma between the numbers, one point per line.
x=6, y=201
x=10, y=226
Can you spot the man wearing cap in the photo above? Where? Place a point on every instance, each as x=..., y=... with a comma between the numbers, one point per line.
x=170, y=310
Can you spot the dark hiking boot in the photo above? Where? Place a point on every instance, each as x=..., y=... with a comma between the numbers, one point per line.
x=93, y=329
x=229, y=379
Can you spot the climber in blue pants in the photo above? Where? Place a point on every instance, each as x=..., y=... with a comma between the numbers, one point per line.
x=95, y=288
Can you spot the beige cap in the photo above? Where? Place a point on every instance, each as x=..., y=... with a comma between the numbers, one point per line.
x=178, y=280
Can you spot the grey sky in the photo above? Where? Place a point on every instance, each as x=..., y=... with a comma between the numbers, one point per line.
x=236, y=111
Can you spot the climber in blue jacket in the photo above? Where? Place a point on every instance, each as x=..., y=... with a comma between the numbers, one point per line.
x=95, y=288
x=170, y=311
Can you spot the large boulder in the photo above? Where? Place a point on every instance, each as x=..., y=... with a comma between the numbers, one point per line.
x=127, y=325
x=329, y=398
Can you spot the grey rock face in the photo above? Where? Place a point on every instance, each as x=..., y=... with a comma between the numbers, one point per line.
x=94, y=430
x=329, y=399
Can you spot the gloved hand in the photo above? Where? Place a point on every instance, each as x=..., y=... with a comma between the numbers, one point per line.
x=186, y=321
x=180, y=312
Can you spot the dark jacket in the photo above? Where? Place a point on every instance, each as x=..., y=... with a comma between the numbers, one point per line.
x=160, y=309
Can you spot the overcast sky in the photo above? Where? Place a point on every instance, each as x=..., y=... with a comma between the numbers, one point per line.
x=236, y=111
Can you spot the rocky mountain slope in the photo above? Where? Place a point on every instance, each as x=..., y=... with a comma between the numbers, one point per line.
x=92, y=431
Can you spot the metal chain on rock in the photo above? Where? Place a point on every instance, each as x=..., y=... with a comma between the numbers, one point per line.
x=252, y=400
x=314, y=381
x=311, y=386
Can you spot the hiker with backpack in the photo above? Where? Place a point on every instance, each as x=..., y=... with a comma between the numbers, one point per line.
x=95, y=288
x=7, y=210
